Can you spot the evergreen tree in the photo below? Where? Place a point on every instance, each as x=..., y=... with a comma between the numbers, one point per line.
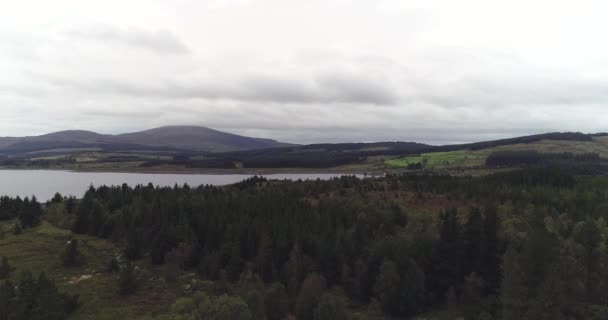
x=7, y=294
x=549, y=303
x=255, y=303
x=276, y=301
x=387, y=287
x=127, y=280
x=134, y=248
x=449, y=255
x=412, y=289
x=589, y=236
x=5, y=269
x=57, y=198
x=330, y=307
x=17, y=229
x=474, y=241
x=307, y=301
x=71, y=255
x=49, y=304
x=234, y=264
x=490, y=265
x=513, y=289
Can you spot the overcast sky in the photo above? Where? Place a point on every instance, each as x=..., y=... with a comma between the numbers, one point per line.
x=306, y=71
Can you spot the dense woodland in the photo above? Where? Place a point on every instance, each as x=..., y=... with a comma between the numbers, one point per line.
x=535, y=158
x=526, y=244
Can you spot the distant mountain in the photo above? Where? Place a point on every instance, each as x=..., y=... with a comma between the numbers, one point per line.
x=197, y=138
x=173, y=138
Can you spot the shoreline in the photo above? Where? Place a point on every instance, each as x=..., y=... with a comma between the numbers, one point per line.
x=202, y=171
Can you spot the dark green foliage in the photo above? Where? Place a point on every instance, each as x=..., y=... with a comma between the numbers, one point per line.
x=331, y=307
x=449, y=257
x=225, y=308
x=589, y=236
x=255, y=302
x=35, y=299
x=10, y=207
x=401, y=291
x=514, y=291
x=284, y=242
x=312, y=289
x=70, y=205
x=71, y=256
x=17, y=229
x=7, y=296
x=5, y=269
x=387, y=287
x=30, y=213
x=127, y=280
x=276, y=302
x=112, y=266
x=518, y=158
x=57, y=198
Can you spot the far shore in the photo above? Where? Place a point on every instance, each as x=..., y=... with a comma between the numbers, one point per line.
x=201, y=171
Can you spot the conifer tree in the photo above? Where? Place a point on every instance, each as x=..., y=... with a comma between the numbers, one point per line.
x=513, y=290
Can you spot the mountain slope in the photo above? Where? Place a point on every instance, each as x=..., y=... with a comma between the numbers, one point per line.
x=174, y=138
x=196, y=138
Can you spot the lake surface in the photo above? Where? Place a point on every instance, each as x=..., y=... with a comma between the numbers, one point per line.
x=45, y=183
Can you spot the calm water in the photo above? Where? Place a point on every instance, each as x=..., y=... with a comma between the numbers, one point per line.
x=44, y=183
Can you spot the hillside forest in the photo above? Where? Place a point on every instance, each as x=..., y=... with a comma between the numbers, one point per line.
x=523, y=244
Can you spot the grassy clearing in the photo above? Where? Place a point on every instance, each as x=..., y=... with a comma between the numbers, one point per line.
x=38, y=250
x=437, y=160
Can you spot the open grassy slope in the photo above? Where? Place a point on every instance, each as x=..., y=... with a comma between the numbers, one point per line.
x=38, y=250
x=441, y=160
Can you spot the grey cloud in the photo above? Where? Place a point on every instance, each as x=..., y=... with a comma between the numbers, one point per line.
x=492, y=93
x=400, y=89
x=325, y=88
x=160, y=41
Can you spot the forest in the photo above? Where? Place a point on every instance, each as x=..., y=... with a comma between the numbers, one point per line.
x=521, y=244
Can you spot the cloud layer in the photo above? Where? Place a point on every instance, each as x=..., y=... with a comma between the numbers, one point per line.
x=430, y=71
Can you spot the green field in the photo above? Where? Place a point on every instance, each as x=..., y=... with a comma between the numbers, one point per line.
x=438, y=160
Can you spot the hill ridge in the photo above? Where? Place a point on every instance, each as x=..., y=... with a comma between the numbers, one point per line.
x=188, y=138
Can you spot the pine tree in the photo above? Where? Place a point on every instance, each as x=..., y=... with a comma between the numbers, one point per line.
x=17, y=229
x=474, y=241
x=255, y=302
x=490, y=266
x=7, y=293
x=331, y=307
x=307, y=301
x=49, y=304
x=589, y=236
x=127, y=280
x=412, y=289
x=513, y=289
x=71, y=254
x=234, y=264
x=549, y=303
x=5, y=269
x=387, y=288
x=293, y=271
x=276, y=301
x=448, y=257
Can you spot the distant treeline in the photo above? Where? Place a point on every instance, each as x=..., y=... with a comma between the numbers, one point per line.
x=27, y=210
x=308, y=156
x=560, y=136
x=332, y=155
x=532, y=157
